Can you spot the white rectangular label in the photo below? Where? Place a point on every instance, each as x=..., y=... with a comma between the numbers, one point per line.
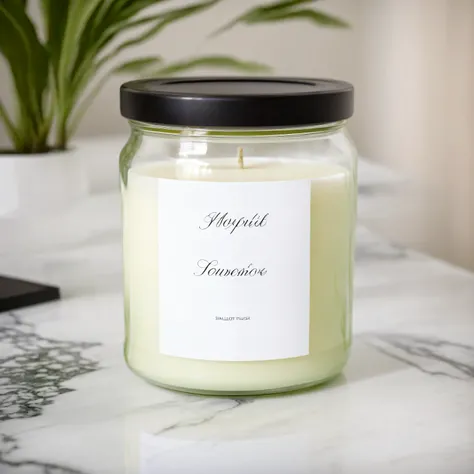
x=234, y=269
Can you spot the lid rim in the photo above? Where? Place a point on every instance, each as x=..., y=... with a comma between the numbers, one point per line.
x=237, y=101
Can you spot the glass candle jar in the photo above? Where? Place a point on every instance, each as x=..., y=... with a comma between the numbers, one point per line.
x=239, y=198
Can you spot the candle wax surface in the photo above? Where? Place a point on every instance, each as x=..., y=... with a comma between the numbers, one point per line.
x=331, y=234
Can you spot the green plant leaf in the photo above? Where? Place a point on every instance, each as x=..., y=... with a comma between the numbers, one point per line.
x=28, y=62
x=103, y=11
x=226, y=62
x=259, y=11
x=106, y=13
x=314, y=16
x=9, y=126
x=123, y=21
x=117, y=17
x=283, y=11
x=137, y=65
x=131, y=8
x=55, y=17
x=82, y=107
x=163, y=20
x=78, y=19
x=133, y=66
x=283, y=5
x=78, y=16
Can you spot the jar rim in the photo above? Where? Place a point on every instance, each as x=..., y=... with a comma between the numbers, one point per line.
x=237, y=102
x=197, y=133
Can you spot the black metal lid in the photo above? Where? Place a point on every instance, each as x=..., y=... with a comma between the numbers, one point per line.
x=265, y=102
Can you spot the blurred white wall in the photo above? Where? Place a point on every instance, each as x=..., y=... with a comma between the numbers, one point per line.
x=420, y=108
x=411, y=62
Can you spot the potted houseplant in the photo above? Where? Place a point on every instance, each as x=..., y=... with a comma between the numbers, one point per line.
x=55, y=76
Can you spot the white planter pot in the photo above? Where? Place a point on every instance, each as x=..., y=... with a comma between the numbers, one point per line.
x=44, y=184
x=102, y=158
x=37, y=194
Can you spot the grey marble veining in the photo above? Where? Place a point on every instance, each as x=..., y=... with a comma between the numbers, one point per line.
x=36, y=368
x=430, y=355
x=8, y=446
x=405, y=402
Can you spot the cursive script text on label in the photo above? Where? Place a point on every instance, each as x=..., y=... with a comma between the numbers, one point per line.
x=211, y=268
x=223, y=220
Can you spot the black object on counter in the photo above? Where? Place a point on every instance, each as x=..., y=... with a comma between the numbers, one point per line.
x=15, y=293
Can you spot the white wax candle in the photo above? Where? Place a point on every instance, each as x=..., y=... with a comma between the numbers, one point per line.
x=332, y=219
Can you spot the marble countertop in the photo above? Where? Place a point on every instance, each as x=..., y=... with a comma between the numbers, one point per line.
x=68, y=404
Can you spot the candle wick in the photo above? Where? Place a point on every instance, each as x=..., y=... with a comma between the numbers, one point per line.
x=241, y=158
